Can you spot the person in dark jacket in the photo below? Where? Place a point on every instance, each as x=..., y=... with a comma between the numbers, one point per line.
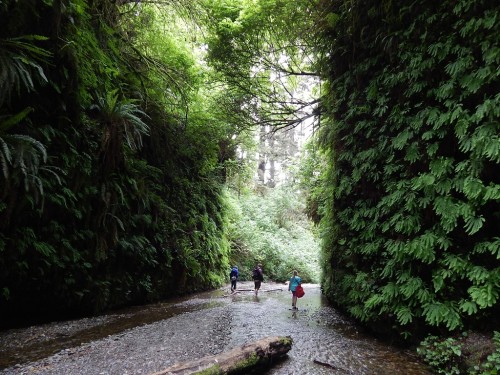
x=233, y=276
x=258, y=277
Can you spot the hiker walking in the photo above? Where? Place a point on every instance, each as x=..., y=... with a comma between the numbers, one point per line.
x=258, y=277
x=295, y=281
x=233, y=276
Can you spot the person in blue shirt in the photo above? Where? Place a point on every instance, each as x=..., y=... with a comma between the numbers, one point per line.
x=234, y=277
x=295, y=281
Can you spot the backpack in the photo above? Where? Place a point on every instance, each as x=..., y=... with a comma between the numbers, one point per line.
x=299, y=291
x=256, y=275
x=234, y=274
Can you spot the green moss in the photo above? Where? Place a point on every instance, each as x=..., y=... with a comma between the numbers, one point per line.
x=215, y=369
x=250, y=361
x=287, y=340
x=244, y=364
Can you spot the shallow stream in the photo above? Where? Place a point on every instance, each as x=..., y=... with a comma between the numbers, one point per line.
x=145, y=339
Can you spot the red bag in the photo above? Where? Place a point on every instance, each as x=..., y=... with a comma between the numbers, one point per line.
x=299, y=291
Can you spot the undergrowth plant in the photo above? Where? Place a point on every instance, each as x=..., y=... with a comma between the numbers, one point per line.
x=441, y=355
x=454, y=355
x=274, y=230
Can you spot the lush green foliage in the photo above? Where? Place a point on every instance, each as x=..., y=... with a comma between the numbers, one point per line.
x=311, y=174
x=271, y=228
x=264, y=66
x=412, y=131
x=114, y=144
x=448, y=356
x=103, y=118
x=264, y=63
x=21, y=156
x=442, y=355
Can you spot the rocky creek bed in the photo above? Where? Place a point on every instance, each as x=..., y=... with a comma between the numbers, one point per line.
x=146, y=339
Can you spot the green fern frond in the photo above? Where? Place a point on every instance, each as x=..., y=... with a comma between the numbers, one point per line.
x=20, y=60
x=7, y=122
x=404, y=315
x=485, y=295
x=473, y=224
x=468, y=307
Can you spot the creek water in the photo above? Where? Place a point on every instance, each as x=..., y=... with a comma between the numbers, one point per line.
x=324, y=342
x=145, y=339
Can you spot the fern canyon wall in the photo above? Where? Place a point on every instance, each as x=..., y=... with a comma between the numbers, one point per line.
x=411, y=230
x=131, y=132
x=109, y=195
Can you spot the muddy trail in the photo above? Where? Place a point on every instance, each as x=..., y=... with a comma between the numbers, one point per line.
x=146, y=339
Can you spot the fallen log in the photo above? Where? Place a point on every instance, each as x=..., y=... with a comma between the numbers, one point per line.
x=239, y=360
x=251, y=290
x=270, y=290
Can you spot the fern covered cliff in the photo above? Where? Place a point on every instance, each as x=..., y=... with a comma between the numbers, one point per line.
x=110, y=189
x=411, y=229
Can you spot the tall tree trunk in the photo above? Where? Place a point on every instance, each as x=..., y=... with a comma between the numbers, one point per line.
x=261, y=171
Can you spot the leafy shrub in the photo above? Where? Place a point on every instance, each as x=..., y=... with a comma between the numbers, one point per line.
x=442, y=355
x=473, y=354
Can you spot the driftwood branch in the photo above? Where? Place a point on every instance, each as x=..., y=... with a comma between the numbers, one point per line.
x=329, y=365
x=258, y=353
